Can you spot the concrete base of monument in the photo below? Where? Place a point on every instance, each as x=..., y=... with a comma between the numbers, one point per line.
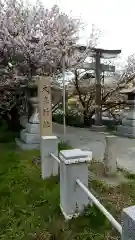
x=126, y=131
x=33, y=128
x=68, y=216
x=96, y=128
x=25, y=146
x=29, y=138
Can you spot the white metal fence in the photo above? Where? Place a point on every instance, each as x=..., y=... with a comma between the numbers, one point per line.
x=74, y=192
x=100, y=206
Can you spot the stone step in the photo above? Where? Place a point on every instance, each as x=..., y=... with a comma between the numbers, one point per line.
x=26, y=146
x=29, y=138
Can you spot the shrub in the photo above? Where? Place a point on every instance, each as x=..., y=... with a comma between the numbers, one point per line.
x=71, y=118
x=6, y=135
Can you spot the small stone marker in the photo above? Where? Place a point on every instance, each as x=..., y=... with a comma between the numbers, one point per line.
x=110, y=161
x=45, y=106
x=128, y=223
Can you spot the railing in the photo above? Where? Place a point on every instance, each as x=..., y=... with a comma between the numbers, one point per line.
x=56, y=158
x=74, y=192
x=100, y=206
x=95, y=201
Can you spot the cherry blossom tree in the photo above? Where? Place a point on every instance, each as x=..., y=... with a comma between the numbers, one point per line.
x=35, y=38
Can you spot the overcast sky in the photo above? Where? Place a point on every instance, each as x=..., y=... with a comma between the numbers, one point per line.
x=116, y=20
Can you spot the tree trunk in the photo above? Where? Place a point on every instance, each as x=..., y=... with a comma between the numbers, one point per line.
x=87, y=118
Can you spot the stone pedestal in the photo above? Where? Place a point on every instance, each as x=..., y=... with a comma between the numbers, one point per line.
x=128, y=123
x=30, y=136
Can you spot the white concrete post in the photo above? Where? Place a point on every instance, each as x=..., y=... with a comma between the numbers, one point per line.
x=110, y=158
x=49, y=166
x=73, y=166
x=128, y=223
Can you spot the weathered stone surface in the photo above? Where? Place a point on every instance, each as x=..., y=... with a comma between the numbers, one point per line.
x=29, y=137
x=73, y=165
x=45, y=105
x=34, y=118
x=26, y=146
x=110, y=158
x=33, y=128
x=128, y=223
x=49, y=166
x=75, y=156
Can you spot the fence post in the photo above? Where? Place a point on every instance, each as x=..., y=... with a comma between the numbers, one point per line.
x=73, y=165
x=128, y=223
x=110, y=161
x=49, y=167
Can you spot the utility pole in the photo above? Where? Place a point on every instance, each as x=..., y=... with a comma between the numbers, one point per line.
x=98, y=112
x=64, y=96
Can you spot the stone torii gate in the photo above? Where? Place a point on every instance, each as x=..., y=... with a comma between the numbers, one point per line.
x=97, y=54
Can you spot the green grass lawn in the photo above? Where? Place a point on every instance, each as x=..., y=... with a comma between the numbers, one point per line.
x=29, y=206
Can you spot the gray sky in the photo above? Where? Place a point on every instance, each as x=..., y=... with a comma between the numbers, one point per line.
x=114, y=18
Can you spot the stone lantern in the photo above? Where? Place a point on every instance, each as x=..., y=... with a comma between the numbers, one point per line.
x=30, y=135
x=128, y=122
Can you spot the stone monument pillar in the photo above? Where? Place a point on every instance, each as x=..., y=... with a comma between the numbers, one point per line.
x=128, y=122
x=42, y=105
x=45, y=106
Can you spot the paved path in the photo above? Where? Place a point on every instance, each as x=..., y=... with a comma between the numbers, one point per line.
x=94, y=141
